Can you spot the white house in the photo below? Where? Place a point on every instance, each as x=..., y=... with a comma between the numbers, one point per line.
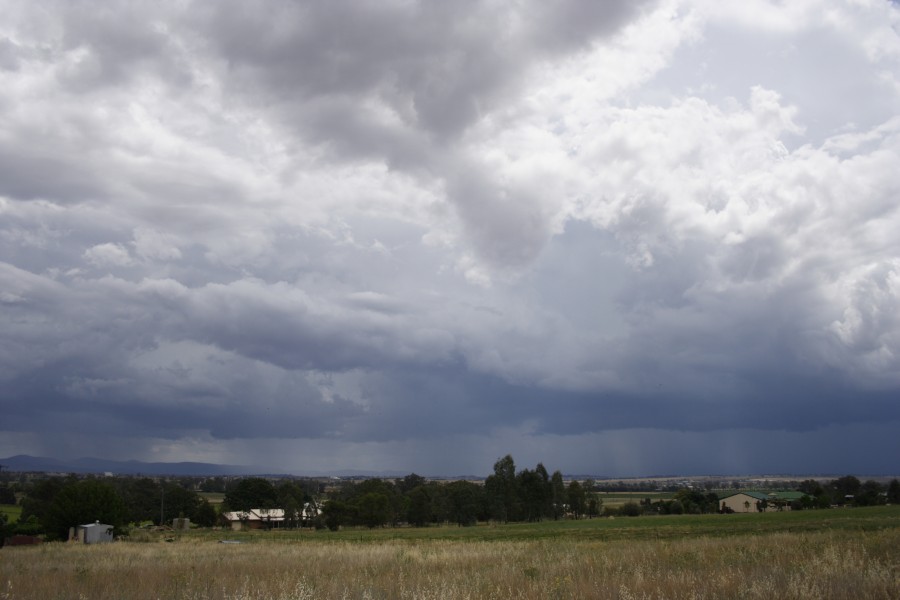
x=268, y=518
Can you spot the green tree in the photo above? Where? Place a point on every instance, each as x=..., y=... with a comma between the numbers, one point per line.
x=410, y=482
x=291, y=509
x=29, y=526
x=7, y=495
x=810, y=487
x=893, y=492
x=337, y=513
x=418, y=512
x=557, y=495
x=465, y=502
x=844, y=489
x=440, y=503
x=291, y=497
x=502, y=491
x=696, y=502
x=373, y=509
x=577, y=499
x=83, y=502
x=291, y=490
x=869, y=494
x=5, y=529
x=535, y=491
x=205, y=515
x=180, y=503
x=142, y=499
x=250, y=493
x=213, y=484
x=547, y=508
x=39, y=497
x=396, y=506
x=631, y=509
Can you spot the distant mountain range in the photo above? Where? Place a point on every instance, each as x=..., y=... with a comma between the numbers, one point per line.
x=87, y=465
x=25, y=463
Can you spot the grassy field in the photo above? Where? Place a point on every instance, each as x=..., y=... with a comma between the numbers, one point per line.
x=620, y=498
x=850, y=553
x=670, y=527
x=12, y=511
x=214, y=498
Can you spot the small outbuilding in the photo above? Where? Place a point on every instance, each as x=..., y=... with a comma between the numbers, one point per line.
x=92, y=533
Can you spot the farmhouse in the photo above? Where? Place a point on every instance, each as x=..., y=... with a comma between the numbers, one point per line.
x=750, y=502
x=268, y=518
x=255, y=518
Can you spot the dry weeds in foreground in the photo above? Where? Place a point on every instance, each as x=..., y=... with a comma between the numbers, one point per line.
x=787, y=566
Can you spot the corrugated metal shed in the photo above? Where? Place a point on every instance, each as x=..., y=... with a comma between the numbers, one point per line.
x=94, y=533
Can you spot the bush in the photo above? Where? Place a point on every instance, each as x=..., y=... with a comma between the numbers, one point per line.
x=630, y=509
x=30, y=526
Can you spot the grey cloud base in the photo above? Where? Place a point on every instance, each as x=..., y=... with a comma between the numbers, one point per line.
x=367, y=234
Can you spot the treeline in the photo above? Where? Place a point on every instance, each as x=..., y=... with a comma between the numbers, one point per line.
x=291, y=496
x=506, y=495
x=51, y=506
x=848, y=490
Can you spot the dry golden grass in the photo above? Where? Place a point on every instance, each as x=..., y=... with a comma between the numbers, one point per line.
x=857, y=565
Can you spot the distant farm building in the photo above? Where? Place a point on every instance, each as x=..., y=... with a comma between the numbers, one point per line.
x=92, y=533
x=269, y=518
x=751, y=502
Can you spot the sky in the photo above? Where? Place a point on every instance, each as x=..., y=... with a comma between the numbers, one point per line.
x=620, y=238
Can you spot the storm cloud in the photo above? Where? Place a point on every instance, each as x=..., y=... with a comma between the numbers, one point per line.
x=618, y=237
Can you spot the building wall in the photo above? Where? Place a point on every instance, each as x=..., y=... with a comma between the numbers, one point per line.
x=94, y=534
x=737, y=503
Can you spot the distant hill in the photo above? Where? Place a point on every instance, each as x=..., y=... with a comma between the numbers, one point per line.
x=88, y=465
x=23, y=462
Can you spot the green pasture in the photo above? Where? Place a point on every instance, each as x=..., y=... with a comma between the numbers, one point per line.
x=213, y=498
x=620, y=498
x=669, y=527
x=12, y=512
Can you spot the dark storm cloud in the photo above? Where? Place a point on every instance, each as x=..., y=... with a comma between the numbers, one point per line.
x=400, y=228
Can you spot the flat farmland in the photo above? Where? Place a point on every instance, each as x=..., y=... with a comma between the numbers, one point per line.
x=841, y=553
x=619, y=498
